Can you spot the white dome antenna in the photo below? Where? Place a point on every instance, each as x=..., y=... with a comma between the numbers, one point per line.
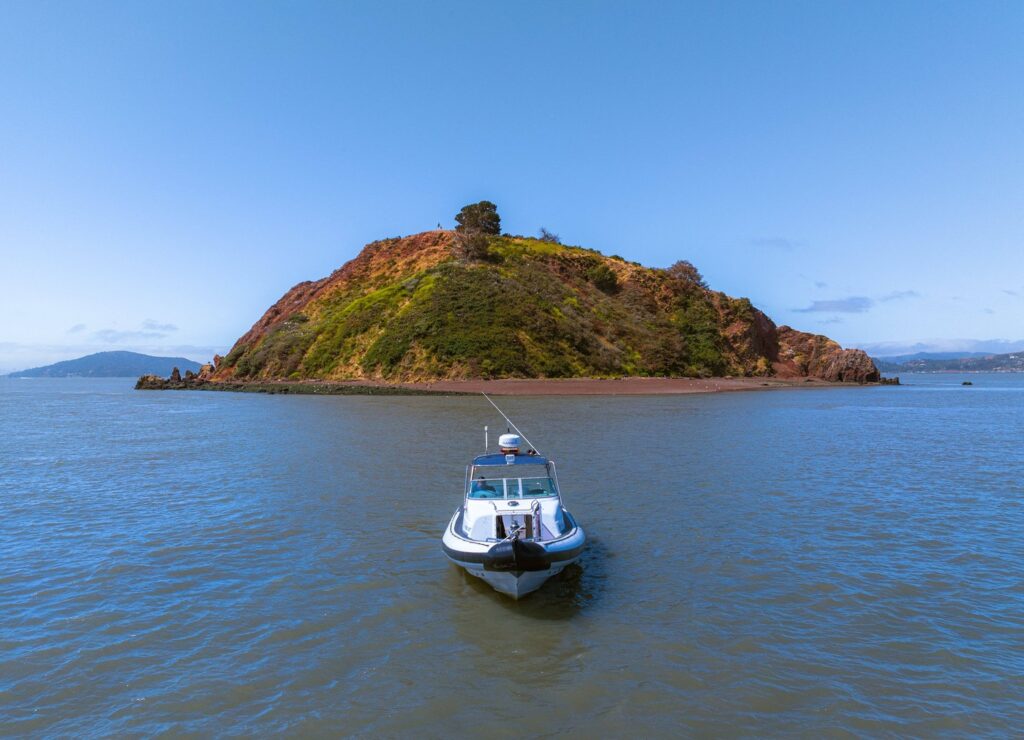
x=509, y=444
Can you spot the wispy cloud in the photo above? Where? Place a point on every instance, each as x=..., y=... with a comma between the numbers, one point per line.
x=149, y=329
x=833, y=320
x=853, y=304
x=115, y=336
x=817, y=283
x=899, y=295
x=988, y=310
x=151, y=325
x=77, y=329
x=776, y=242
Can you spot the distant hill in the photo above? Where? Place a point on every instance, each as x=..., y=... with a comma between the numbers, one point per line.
x=895, y=363
x=110, y=365
x=971, y=362
x=421, y=308
x=900, y=359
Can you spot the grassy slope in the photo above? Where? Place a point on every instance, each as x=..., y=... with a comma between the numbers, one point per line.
x=531, y=309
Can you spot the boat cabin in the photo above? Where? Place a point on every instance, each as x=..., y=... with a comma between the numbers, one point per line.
x=511, y=476
x=513, y=491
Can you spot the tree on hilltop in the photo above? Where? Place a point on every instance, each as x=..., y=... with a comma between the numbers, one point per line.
x=482, y=217
x=685, y=271
x=477, y=223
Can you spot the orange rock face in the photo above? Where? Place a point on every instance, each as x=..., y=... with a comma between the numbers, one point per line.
x=817, y=356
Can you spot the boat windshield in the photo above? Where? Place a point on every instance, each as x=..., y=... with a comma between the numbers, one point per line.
x=511, y=481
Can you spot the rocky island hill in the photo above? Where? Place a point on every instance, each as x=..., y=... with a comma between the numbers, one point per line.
x=471, y=304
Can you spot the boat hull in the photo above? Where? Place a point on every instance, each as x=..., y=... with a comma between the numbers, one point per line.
x=512, y=578
x=514, y=584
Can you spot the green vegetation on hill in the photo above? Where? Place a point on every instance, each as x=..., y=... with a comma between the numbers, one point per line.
x=420, y=308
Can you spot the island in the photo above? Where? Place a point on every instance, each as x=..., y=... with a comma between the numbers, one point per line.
x=115, y=364
x=450, y=309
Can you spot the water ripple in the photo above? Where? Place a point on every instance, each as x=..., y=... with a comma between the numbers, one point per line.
x=845, y=561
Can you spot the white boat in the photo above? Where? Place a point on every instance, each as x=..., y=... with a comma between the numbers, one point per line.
x=512, y=529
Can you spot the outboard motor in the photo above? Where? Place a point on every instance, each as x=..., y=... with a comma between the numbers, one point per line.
x=516, y=555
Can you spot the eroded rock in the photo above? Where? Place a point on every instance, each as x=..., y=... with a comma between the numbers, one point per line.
x=817, y=356
x=175, y=381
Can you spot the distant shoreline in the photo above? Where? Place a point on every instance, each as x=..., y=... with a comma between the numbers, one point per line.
x=517, y=386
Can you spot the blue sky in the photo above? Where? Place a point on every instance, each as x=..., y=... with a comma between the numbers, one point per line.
x=168, y=170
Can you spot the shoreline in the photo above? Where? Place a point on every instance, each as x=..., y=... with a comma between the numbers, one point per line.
x=633, y=386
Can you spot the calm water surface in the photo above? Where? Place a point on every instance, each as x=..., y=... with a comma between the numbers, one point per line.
x=790, y=562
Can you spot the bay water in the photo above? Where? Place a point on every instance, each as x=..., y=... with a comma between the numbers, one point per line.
x=810, y=562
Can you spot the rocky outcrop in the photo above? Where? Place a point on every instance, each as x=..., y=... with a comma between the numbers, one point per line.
x=151, y=383
x=817, y=356
x=174, y=382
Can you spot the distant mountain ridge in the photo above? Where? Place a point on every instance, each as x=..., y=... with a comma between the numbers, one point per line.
x=967, y=362
x=422, y=308
x=900, y=359
x=114, y=364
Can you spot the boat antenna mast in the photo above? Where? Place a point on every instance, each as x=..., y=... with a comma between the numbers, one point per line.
x=509, y=421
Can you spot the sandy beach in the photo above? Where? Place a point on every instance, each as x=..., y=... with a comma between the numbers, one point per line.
x=615, y=386
x=522, y=387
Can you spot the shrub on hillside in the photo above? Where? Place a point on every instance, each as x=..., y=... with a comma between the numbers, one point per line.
x=603, y=277
x=547, y=236
x=472, y=245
